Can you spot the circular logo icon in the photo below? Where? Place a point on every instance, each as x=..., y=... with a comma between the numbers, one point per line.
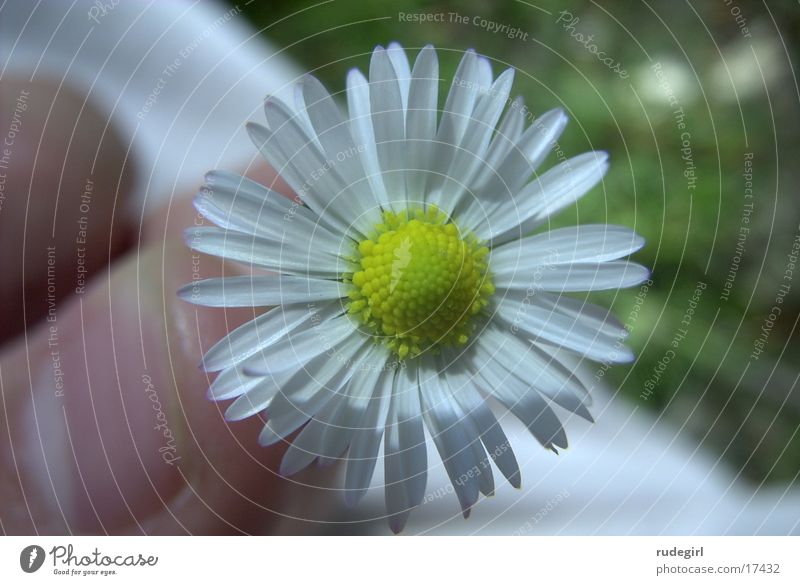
x=31, y=558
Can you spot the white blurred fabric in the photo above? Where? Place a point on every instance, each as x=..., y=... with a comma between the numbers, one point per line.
x=216, y=73
x=626, y=474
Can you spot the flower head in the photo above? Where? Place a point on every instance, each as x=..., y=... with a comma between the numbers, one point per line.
x=410, y=282
x=419, y=282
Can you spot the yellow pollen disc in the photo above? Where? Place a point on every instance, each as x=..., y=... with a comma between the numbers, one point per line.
x=420, y=282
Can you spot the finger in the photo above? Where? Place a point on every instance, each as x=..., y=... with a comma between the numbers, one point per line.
x=107, y=409
x=64, y=179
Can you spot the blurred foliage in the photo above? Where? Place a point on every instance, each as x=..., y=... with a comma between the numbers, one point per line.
x=738, y=94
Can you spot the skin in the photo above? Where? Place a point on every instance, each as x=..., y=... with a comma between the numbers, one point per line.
x=105, y=422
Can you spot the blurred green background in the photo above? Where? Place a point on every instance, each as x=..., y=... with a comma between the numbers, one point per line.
x=727, y=66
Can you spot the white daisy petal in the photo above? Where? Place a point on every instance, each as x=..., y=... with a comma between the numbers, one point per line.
x=255, y=335
x=329, y=124
x=241, y=215
x=312, y=369
x=485, y=76
x=281, y=228
x=256, y=398
x=526, y=404
x=481, y=469
x=535, y=414
x=532, y=148
x=274, y=255
x=488, y=109
x=236, y=184
x=350, y=412
x=412, y=435
x=470, y=157
x=307, y=446
x=455, y=118
x=573, y=363
x=566, y=331
x=230, y=383
x=358, y=104
x=405, y=453
x=548, y=193
x=556, y=381
x=421, y=121
x=460, y=100
x=536, y=367
x=398, y=507
x=592, y=315
x=255, y=220
x=366, y=440
x=236, y=202
x=307, y=392
x=297, y=348
x=329, y=370
x=516, y=168
x=301, y=111
x=259, y=291
x=293, y=417
x=301, y=164
x=568, y=401
x=444, y=421
x=337, y=433
x=333, y=132
x=578, y=176
x=506, y=136
x=311, y=443
x=402, y=68
x=576, y=277
x=388, y=124
x=491, y=433
x=583, y=243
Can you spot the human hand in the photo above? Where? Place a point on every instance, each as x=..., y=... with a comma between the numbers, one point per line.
x=103, y=406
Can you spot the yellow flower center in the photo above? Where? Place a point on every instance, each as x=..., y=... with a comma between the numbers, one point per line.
x=420, y=282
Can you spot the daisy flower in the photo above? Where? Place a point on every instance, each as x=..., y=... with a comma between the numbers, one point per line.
x=409, y=281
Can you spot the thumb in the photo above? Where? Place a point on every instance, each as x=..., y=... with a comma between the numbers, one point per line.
x=109, y=425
